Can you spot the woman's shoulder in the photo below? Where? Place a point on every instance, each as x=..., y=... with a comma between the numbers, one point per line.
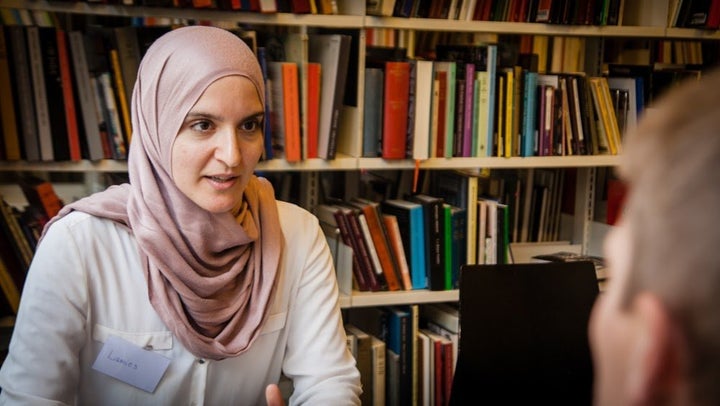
x=82, y=225
x=288, y=211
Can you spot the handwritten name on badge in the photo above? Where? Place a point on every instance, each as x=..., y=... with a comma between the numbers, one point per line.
x=131, y=364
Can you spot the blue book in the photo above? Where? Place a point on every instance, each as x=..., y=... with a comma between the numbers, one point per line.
x=411, y=222
x=372, y=116
x=492, y=89
x=529, y=114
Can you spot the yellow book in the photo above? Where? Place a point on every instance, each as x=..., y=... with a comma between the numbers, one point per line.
x=122, y=97
x=9, y=287
x=613, y=123
x=509, y=111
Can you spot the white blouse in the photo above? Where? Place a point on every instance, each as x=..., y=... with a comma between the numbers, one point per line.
x=86, y=284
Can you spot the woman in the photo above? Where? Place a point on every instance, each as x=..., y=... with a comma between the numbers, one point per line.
x=190, y=284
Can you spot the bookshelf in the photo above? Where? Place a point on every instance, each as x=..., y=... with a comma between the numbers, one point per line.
x=645, y=22
x=353, y=17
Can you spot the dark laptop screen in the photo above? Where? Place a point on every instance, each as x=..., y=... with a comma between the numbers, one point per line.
x=523, y=337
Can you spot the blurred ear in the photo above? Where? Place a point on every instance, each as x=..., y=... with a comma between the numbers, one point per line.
x=657, y=354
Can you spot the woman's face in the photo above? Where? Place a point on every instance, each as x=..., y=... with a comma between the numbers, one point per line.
x=219, y=144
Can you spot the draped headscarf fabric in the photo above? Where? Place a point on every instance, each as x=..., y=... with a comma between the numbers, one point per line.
x=210, y=277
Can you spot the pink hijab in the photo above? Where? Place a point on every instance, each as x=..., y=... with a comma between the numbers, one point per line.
x=210, y=276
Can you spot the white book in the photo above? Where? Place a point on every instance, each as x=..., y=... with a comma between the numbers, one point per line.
x=426, y=369
x=374, y=258
x=379, y=369
x=332, y=52
x=423, y=104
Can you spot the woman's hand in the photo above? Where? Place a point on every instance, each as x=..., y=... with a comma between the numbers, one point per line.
x=273, y=396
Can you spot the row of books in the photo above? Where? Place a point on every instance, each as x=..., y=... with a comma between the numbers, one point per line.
x=595, y=12
x=406, y=354
x=464, y=104
x=305, y=92
x=694, y=14
x=66, y=94
x=19, y=234
x=420, y=241
x=257, y=6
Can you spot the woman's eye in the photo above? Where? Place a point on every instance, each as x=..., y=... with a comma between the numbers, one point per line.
x=201, y=126
x=250, y=125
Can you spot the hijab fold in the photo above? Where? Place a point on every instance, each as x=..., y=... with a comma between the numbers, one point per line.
x=210, y=277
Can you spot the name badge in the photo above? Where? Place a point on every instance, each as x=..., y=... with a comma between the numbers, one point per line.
x=131, y=364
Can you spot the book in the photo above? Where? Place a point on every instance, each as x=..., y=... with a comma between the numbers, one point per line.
x=40, y=193
x=123, y=101
x=396, y=245
x=9, y=288
x=109, y=108
x=423, y=101
x=411, y=222
x=455, y=243
x=86, y=98
x=379, y=237
x=399, y=341
x=11, y=136
x=314, y=73
x=367, y=259
x=68, y=91
x=40, y=53
x=333, y=217
x=434, y=247
x=332, y=52
x=373, y=112
x=286, y=99
x=378, y=371
x=460, y=189
x=396, y=95
x=363, y=359
x=20, y=70
x=296, y=51
x=448, y=82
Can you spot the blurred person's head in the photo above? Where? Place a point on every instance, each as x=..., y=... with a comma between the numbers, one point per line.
x=655, y=332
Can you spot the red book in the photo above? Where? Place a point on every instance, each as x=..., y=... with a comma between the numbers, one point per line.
x=291, y=110
x=68, y=97
x=395, y=109
x=313, y=108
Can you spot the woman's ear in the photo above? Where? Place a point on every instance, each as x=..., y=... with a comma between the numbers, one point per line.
x=658, y=353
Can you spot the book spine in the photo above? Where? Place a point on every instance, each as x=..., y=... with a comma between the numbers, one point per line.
x=378, y=236
x=85, y=96
x=68, y=90
x=291, y=111
x=468, y=116
x=395, y=106
x=122, y=98
x=23, y=80
x=7, y=104
x=42, y=114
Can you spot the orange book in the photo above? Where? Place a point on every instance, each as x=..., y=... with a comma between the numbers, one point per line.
x=7, y=105
x=379, y=236
x=314, y=72
x=291, y=112
x=40, y=193
x=68, y=97
x=393, y=230
x=395, y=109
